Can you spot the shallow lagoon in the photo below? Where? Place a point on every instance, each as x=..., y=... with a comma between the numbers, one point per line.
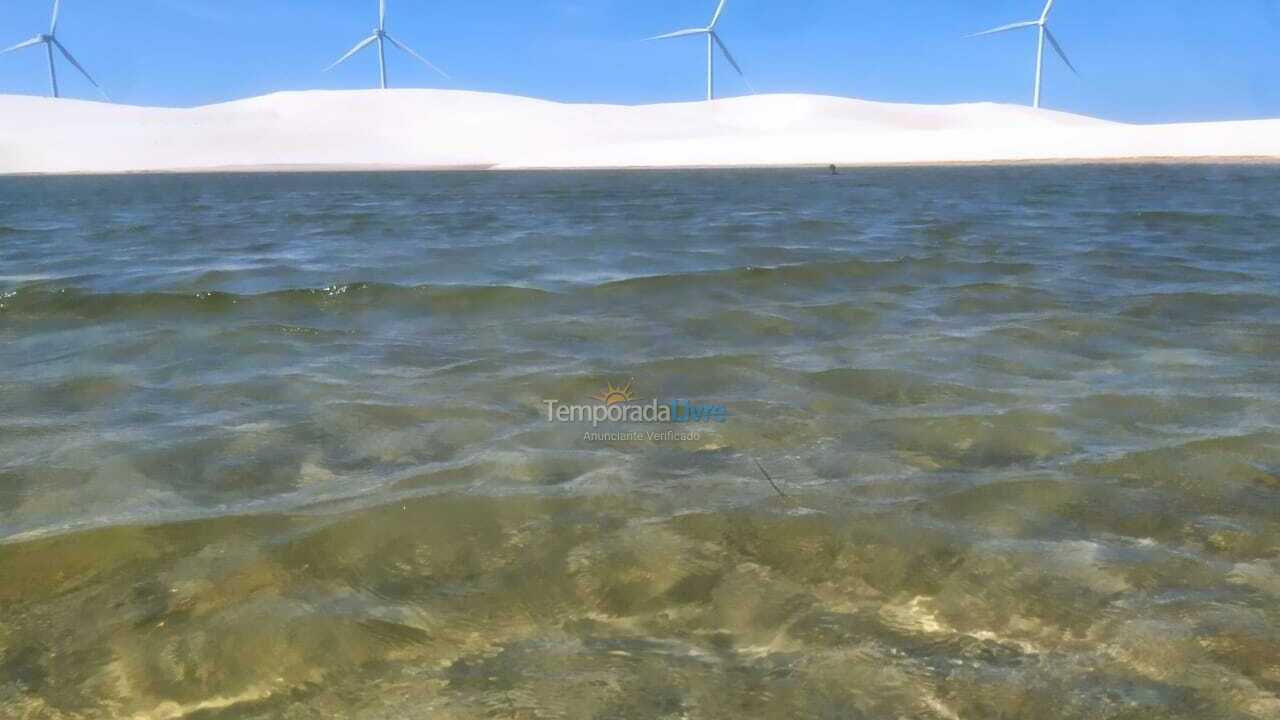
x=277, y=446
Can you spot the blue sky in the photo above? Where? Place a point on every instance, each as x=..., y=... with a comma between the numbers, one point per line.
x=1140, y=60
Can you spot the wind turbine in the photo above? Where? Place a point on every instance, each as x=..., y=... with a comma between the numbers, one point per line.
x=381, y=36
x=713, y=39
x=50, y=42
x=1045, y=33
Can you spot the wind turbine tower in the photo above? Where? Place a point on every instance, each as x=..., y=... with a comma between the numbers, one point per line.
x=382, y=37
x=1042, y=26
x=713, y=40
x=51, y=43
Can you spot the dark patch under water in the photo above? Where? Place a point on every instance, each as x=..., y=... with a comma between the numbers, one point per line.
x=276, y=446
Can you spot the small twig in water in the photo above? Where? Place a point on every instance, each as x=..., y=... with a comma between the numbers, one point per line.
x=770, y=479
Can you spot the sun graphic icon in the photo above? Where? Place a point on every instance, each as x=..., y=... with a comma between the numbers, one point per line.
x=616, y=395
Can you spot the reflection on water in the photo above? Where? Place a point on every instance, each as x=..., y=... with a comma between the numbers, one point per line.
x=276, y=446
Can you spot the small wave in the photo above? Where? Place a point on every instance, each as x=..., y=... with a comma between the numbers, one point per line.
x=947, y=231
x=895, y=388
x=85, y=392
x=806, y=277
x=998, y=298
x=978, y=441
x=8, y=230
x=819, y=226
x=799, y=280
x=1182, y=218
x=743, y=326
x=23, y=279
x=1200, y=305
x=35, y=304
x=1140, y=411
x=122, y=230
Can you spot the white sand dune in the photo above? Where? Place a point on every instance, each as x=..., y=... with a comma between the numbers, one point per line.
x=405, y=129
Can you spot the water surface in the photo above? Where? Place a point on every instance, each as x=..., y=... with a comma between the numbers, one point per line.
x=275, y=446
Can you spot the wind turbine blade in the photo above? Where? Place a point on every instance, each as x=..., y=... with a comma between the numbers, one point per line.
x=728, y=55
x=418, y=57
x=1048, y=8
x=57, y=10
x=67, y=54
x=359, y=46
x=1062, y=54
x=24, y=44
x=382, y=14
x=1006, y=28
x=680, y=33
x=719, y=11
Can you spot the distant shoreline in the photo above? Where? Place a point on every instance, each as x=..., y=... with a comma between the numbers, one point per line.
x=457, y=131
x=338, y=169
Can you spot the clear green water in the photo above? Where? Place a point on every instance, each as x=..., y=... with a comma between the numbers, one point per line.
x=275, y=446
